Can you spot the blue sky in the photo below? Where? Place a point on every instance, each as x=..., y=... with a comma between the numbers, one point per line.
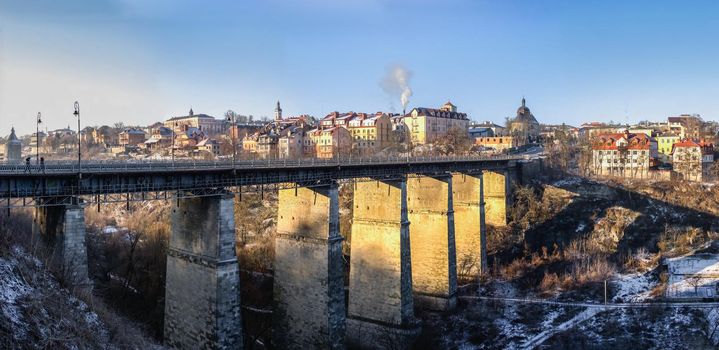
x=140, y=61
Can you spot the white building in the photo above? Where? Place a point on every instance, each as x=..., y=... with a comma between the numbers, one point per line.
x=623, y=154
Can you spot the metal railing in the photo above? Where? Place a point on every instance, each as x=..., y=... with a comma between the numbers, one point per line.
x=105, y=166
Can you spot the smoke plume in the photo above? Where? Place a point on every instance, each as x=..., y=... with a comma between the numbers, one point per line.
x=396, y=82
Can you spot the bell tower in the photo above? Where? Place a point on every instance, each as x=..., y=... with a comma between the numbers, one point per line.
x=278, y=112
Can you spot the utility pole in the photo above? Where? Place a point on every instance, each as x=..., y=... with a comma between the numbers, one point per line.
x=605, y=292
x=37, y=138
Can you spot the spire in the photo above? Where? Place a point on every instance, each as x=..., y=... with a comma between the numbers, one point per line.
x=191, y=112
x=278, y=111
x=12, y=134
x=524, y=102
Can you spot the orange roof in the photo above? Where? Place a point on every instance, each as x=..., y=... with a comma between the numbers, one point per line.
x=608, y=141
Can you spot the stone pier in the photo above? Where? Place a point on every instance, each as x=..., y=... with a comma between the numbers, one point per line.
x=434, y=255
x=469, y=220
x=309, y=296
x=60, y=230
x=381, y=311
x=202, y=292
x=497, y=190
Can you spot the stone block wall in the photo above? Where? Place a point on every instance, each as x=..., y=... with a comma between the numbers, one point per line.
x=470, y=230
x=309, y=310
x=432, y=237
x=202, y=296
x=380, y=295
x=60, y=230
x=496, y=197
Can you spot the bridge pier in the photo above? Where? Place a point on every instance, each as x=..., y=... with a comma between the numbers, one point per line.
x=60, y=229
x=381, y=313
x=434, y=254
x=202, y=292
x=470, y=227
x=308, y=287
x=497, y=196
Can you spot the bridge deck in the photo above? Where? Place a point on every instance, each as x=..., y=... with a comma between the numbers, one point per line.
x=112, y=177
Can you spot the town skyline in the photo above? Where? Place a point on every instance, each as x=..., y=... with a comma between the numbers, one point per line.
x=138, y=63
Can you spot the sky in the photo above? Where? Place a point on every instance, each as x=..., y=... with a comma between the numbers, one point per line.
x=142, y=61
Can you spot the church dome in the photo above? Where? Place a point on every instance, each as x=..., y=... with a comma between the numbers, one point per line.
x=524, y=114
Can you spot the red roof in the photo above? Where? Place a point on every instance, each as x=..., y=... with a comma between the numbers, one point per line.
x=633, y=141
x=706, y=147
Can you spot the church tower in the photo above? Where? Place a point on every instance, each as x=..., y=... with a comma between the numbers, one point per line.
x=278, y=112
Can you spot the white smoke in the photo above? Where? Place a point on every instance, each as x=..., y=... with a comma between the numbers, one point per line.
x=396, y=82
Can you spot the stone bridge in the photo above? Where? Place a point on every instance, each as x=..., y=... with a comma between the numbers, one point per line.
x=414, y=221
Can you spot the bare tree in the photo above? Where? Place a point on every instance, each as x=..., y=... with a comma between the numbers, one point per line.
x=695, y=281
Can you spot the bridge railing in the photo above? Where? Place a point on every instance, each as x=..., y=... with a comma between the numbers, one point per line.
x=133, y=165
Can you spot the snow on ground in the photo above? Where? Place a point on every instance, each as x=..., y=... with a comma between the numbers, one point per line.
x=693, y=276
x=570, y=181
x=12, y=288
x=25, y=288
x=543, y=336
x=632, y=287
x=581, y=227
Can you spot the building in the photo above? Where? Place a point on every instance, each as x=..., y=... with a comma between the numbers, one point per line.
x=499, y=143
x=692, y=160
x=295, y=143
x=369, y=132
x=210, y=146
x=593, y=129
x=552, y=132
x=623, y=154
x=524, y=126
x=692, y=277
x=209, y=125
x=189, y=137
x=475, y=132
x=131, y=137
x=665, y=145
x=106, y=136
x=162, y=137
x=425, y=125
x=330, y=142
x=266, y=142
x=687, y=126
x=34, y=142
x=13, y=148
x=495, y=129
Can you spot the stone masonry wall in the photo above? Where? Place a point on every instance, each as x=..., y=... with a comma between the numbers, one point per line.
x=434, y=266
x=202, y=298
x=62, y=232
x=469, y=230
x=308, y=287
x=495, y=197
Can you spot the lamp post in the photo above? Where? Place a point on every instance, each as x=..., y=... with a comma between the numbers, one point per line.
x=79, y=155
x=233, y=130
x=172, y=148
x=38, y=121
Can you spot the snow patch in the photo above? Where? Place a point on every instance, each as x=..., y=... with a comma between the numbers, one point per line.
x=632, y=288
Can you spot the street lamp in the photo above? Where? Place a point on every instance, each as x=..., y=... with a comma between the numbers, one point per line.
x=79, y=155
x=38, y=121
x=172, y=149
x=233, y=130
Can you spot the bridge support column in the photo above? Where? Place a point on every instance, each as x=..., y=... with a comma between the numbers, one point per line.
x=470, y=227
x=381, y=313
x=434, y=254
x=60, y=229
x=309, y=291
x=202, y=292
x=497, y=195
